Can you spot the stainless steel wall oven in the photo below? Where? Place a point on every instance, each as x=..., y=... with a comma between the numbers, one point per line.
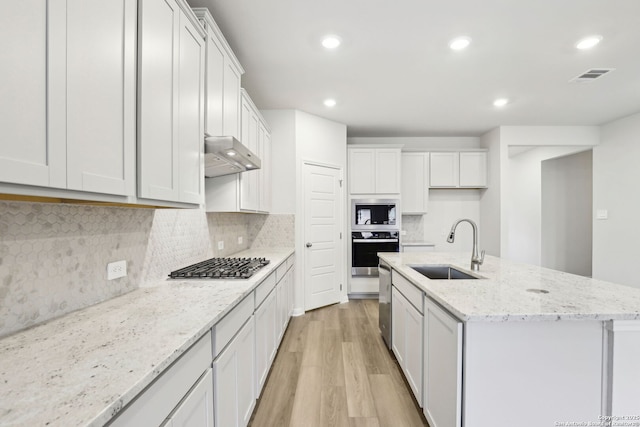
x=365, y=246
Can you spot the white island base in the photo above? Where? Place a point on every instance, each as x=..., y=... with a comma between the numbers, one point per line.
x=521, y=346
x=532, y=373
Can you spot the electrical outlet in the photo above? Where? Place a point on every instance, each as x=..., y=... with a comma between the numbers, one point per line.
x=221, y=245
x=117, y=269
x=239, y=240
x=403, y=232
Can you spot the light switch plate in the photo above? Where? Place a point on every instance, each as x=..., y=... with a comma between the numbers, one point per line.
x=239, y=240
x=221, y=245
x=602, y=214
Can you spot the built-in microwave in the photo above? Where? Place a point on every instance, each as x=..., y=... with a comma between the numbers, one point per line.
x=374, y=214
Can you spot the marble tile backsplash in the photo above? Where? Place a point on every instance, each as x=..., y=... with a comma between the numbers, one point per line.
x=178, y=237
x=414, y=226
x=277, y=230
x=53, y=257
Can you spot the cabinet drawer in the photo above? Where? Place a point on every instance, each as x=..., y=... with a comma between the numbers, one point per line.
x=153, y=405
x=265, y=288
x=408, y=290
x=281, y=271
x=230, y=324
x=290, y=261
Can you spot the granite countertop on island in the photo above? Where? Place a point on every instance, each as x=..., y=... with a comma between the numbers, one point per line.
x=82, y=368
x=510, y=291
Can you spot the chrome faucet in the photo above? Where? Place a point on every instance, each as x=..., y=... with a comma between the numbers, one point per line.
x=476, y=260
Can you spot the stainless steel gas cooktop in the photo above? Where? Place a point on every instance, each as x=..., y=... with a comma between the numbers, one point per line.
x=221, y=268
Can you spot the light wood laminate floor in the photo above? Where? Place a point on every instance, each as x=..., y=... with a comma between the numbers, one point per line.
x=333, y=369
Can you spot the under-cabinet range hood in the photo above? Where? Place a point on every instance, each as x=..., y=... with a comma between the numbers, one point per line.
x=225, y=155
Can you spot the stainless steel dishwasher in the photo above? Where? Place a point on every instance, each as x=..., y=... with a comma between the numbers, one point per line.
x=384, y=313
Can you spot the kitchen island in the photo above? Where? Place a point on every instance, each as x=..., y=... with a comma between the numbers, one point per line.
x=84, y=368
x=522, y=345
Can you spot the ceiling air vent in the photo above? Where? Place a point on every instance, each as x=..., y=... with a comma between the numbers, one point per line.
x=591, y=75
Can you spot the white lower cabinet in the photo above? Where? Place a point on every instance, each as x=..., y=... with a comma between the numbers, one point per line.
x=442, y=403
x=266, y=315
x=197, y=407
x=406, y=324
x=624, y=377
x=282, y=298
x=195, y=392
x=291, y=276
x=155, y=405
x=233, y=377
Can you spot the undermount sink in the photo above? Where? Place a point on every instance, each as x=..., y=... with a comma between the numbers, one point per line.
x=442, y=272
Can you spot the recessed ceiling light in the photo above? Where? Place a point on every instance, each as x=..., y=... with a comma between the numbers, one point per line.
x=331, y=42
x=330, y=103
x=459, y=43
x=588, y=42
x=500, y=102
x=231, y=153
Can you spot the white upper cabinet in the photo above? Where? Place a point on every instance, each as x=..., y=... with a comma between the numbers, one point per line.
x=473, y=169
x=374, y=170
x=464, y=169
x=415, y=183
x=444, y=170
x=223, y=74
x=27, y=157
x=250, y=137
x=265, y=179
x=248, y=191
x=388, y=171
x=100, y=87
x=68, y=96
x=171, y=119
x=231, y=106
x=362, y=171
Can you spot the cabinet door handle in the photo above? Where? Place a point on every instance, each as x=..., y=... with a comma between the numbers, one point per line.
x=309, y=244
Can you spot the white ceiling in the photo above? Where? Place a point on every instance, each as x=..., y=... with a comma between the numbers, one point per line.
x=394, y=74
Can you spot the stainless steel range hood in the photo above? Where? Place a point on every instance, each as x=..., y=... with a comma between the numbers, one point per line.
x=225, y=155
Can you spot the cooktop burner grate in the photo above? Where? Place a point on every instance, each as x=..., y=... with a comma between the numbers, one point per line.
x=221, y=268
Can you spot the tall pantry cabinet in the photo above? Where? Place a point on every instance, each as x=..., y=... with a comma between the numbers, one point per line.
x=68, y=94
x=171, y=103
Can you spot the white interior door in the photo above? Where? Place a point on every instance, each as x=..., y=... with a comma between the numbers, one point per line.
x=322, y=232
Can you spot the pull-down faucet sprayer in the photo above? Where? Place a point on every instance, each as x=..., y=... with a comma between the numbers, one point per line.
x=476, y=259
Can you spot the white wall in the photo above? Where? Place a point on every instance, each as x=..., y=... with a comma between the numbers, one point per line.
x=297, y=137
x=522, y=219
x=616, y=174
x=445, y=207
x=496, y=200
x=490, y=205
x=550, y=135
x=419, y=143
x=567, y=192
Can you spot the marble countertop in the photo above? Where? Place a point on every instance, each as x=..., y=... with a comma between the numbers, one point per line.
x=82, y=368
x=511, y=291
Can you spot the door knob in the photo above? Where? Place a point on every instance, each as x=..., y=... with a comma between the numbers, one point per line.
x=309, y=244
